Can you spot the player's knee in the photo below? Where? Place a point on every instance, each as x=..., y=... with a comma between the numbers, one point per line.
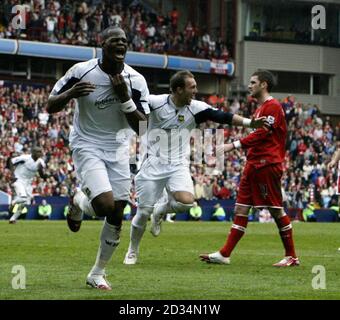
x=185, y=198
x=21, y=200
x=180, y=207
x=114, y=215
x=242, y=210
x=276, y=213
x=141, y=218
x=104, y=209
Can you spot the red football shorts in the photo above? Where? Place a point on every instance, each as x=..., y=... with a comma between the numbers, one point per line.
x=261, y=187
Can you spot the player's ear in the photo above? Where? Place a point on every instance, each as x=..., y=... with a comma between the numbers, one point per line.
x=179, y=90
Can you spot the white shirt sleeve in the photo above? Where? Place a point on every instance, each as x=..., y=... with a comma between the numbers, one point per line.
x=66, y=82
x=18, y=159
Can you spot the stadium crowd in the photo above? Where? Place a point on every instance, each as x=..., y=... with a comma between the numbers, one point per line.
x=80, y=23
x=312, y=139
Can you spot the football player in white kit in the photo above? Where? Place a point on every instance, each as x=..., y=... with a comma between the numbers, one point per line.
x=335, y=161
x=112, y=99
x=172, y=117
x=25, y=168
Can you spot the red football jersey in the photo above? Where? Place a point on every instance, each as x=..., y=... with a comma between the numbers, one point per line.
x=267, y=146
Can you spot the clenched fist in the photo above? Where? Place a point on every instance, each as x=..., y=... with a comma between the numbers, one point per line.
x=119, y=87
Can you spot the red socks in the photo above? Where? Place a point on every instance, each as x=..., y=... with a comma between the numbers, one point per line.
x=239, y=227
x=286, y=233
x=236, y=232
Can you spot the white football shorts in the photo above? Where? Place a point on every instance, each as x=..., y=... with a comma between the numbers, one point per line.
x=98, y=173
x=23, y=192
x=154, y=176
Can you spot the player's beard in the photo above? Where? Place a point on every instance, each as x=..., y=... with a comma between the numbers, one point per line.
x=256, y=94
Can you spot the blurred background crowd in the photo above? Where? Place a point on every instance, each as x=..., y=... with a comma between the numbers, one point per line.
x=80, y=23
x=312, y=139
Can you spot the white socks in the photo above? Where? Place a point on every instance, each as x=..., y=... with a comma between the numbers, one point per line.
x=15, y=216
x=137, y=230
x=109, y=240
x=84, y=204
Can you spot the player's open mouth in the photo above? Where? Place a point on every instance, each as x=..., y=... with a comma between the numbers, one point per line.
x=119, y=53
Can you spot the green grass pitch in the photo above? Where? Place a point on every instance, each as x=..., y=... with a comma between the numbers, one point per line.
x=57, y=262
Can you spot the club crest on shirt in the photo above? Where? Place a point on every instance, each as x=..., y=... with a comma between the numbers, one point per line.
x=87, y=191
x=180, y=117
x=271, y=120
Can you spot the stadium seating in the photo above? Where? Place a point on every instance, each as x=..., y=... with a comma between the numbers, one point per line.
x=81, y=23
x=310, y=144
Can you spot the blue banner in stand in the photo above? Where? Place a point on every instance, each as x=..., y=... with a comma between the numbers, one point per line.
x=81, y=53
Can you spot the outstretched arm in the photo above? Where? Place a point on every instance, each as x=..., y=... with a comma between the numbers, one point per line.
x=230, y=118
x=252, y=123
x=58, y=102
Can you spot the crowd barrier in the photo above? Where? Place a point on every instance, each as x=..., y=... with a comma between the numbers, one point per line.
x=58, y=205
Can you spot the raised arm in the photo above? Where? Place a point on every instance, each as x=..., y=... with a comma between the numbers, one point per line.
x=58, y=101
x=41, y=165
x=128, y=106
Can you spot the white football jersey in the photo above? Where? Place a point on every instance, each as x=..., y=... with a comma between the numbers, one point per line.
x=338, y=187
x=26, y=167
x=98, y=120
x=170, y=128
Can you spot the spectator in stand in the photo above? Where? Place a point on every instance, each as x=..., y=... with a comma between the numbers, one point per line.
x=264, y=216
x=127, y=212
x=79, y=23
x=23, y=104
x=174, y=16
x=195, y=212
x=224, y=192
x=44, y=210
x=308, y=213
x=199, y=190
x=219, y=213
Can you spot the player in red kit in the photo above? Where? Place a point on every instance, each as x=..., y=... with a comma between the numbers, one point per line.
x=260, y=185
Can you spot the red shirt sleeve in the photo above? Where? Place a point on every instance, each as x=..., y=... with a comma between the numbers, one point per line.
x=274, y=114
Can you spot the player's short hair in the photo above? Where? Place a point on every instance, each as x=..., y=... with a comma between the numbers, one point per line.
x=106, y=33
x=178, y=79
x=36, y=149
x=265, y=76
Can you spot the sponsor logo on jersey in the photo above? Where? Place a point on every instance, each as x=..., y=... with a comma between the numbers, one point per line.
x=105, y=103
